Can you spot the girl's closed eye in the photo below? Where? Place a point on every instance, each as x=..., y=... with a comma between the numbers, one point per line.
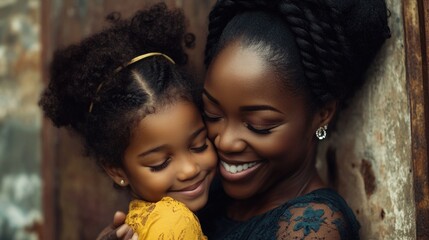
x=161, y=166
x=200, y=148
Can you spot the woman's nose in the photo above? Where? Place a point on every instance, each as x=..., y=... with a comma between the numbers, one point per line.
x=228, y=140
x=189, y=168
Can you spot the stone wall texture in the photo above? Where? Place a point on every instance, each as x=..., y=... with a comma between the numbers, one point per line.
x=368, y=155
x=20, y=119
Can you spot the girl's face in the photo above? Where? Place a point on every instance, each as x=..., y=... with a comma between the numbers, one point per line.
x=263, y=133
x=170, y=155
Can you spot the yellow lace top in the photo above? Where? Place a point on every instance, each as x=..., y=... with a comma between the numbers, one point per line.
x=166, y=219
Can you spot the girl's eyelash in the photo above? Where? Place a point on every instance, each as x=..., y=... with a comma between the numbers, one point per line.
x=258, y=131
x=161, y=166
x=200, y=149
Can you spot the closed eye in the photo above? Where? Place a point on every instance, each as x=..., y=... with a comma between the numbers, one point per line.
x=262, y=131
x=200, y=149
x=161, y=166
x=210, y=117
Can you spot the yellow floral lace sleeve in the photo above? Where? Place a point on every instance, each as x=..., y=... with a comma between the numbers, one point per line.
x=166, y=219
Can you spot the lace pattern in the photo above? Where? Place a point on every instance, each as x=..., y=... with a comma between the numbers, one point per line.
x=166, y=219
x=321, y=214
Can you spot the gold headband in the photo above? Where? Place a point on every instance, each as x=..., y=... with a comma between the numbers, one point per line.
x=134, y=60
x=143, y=56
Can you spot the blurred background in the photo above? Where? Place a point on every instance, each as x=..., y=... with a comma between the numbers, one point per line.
x=49, y=191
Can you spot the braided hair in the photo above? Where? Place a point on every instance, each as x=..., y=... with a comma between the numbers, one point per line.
x=84, y=75
x=322, y=46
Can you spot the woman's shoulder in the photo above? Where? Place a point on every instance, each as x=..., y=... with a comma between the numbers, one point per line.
x=322, y=212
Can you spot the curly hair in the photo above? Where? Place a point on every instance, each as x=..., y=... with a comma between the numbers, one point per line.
x=84, y=74
x=323, y=46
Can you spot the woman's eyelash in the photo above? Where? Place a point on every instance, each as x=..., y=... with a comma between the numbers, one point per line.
x=161, y=166
x=258, y=131
x=210, y=117
x=200, y=149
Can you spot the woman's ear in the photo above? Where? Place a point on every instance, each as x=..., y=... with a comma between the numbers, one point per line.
x=325, y=114
x=117, y=174
x=328, y=112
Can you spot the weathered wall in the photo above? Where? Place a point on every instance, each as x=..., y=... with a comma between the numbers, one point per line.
x=368, y=156
x=20, y=181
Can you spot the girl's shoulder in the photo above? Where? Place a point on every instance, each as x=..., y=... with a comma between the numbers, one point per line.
x=168, y=218
x=321, y=213
x=167, y=206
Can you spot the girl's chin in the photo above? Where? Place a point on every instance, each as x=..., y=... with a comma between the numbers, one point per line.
x=196, y=205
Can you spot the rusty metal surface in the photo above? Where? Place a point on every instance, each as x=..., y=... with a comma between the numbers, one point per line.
x=416, y=21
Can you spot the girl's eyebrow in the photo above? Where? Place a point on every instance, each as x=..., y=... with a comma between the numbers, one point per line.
x=153, y=150
x=210, y=97
x=164, y=146
x=197, y=132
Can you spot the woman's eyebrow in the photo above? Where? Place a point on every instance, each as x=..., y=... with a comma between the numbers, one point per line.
x=210, y=97
x=259, y=108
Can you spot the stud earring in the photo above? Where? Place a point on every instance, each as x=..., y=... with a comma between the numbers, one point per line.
x=122, y=182
x=321, y=132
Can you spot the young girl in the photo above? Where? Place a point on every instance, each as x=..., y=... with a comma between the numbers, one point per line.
x=122, y=92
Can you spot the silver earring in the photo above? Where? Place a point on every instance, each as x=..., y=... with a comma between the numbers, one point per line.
x=321, y=132
x=122, y=182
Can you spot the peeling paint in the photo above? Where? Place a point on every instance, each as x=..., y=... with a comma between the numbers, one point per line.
x=368, y=177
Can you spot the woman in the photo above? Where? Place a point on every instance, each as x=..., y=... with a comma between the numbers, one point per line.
x=277, y=71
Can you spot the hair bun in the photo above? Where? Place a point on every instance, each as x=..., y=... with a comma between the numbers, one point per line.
x=365, y=26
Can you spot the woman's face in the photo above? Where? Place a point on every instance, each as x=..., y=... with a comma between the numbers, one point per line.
x=262, y=131
x=170, y=155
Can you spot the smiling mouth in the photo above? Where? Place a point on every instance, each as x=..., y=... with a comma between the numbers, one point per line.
x=190, y=188
x=236, y=168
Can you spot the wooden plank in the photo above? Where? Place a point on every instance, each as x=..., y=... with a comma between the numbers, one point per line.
x=417, y=78
x=49, y=139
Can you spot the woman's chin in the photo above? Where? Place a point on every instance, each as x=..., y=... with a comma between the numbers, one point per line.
x=236, y=192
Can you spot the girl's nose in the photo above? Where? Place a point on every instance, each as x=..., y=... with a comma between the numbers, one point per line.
x=189, y=168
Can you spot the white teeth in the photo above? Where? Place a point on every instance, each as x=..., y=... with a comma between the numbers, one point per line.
x=232, y=168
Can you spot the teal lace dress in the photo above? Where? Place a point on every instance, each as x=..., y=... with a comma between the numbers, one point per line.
x=321, y=214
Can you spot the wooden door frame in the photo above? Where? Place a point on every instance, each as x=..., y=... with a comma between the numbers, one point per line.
x=416, y=33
